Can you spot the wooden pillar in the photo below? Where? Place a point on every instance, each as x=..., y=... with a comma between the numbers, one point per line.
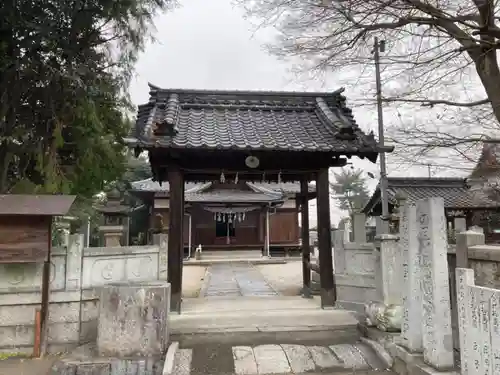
x=328, y=290
x=267, y=242
x=306, y=248
x=175, y=236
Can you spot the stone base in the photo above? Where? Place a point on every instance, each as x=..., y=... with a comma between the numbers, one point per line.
x=133, y=319
x=315, y=283
x=405, y=362
x=84, y=360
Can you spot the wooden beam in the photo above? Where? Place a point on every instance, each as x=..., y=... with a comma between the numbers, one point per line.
x=250, y=177
x=306, y=249
x=44, y=308
x=175, y=236
x=233, y=161
x=328, y=290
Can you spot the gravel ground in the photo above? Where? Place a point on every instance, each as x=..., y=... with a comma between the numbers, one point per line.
x=192, y=281
x=284, y=278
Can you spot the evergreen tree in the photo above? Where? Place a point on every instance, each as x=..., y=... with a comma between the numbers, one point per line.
x=350, y=190
x=65, y=68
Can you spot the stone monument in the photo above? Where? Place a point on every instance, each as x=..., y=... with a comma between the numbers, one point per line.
x=132, y=333
x=133, y=319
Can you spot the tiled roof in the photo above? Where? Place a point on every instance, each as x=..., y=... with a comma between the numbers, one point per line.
x=250, y=120
x=232, y=196
x=154, y=186
x=285, y=187
x=263, y=187
x=454, y=191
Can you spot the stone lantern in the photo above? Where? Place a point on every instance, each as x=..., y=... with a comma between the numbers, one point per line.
x=116, y=220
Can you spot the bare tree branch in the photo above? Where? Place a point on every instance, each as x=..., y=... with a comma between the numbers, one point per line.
x=433, y=102
x=440, y=70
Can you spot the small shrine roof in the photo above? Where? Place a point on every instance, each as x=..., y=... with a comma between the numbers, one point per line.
x=36, y=205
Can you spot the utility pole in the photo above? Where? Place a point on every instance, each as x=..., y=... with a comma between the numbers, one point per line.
x=429, y=171
x=377, y=48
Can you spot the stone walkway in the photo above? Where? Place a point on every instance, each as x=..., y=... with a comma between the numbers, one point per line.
x=277, y=359
x=231, y=280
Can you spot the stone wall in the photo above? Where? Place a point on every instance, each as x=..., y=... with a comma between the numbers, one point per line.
x=355, y=268
x=76, y=275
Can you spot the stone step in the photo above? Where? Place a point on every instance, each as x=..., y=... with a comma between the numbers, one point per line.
x=231, y=254
x=247, y=320
x=356, y=358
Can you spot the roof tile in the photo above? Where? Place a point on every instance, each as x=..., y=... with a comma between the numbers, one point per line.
x=269, y=188
x=250, y=120
x=454, y=191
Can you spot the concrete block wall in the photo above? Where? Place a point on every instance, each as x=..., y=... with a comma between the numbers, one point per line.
x=76, y=276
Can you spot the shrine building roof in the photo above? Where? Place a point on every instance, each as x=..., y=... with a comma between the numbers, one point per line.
x=454, y=191
x=245, y=120
x=257, y=189
x=233, y=196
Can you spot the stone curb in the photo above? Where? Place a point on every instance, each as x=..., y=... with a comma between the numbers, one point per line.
x=383, y=355
x=168, y=366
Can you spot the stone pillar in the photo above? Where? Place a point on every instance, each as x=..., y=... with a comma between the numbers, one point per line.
x=411, y=327
x=464, y=241
x=392, y=276
x=433, y=246
x=359, y=228
x=339, y=251
x=379, y=225
x=74, y=262
x=133, y=319
x=460, y=225
x=161, y=240
x=388, y=314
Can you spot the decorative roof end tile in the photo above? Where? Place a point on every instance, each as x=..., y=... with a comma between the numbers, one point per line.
x=168, y=124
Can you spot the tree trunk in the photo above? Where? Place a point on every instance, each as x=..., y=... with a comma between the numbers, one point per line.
x=5, y=159
x=489, y=73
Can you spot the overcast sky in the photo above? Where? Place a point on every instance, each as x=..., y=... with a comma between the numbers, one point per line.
x=209, y=45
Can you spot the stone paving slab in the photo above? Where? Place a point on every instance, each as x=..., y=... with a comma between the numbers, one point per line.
x=276, y=359
x=235, y=279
